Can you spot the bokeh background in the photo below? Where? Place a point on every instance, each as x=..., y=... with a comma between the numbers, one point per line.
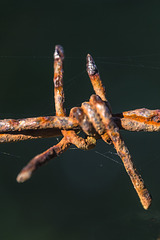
x=80, y=195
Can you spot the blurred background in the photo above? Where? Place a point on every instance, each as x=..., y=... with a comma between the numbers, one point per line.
x=80, y=195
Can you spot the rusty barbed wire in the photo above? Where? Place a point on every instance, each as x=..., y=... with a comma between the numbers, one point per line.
x=94, y=118
x=13, y=130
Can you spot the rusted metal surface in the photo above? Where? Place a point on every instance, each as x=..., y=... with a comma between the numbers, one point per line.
x=41, y=159
x=112, y=130
x=13, y=130
x=70, y=137
x=64, y=144
x=95, y=78
x=139, y=120
x=58, y=81
x=29, y=135
x=48, y=122
x=94, y=118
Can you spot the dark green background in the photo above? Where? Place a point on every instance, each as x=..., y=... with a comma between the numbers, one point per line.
x=81, y=195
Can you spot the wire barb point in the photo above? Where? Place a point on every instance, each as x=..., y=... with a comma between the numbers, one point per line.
x=91, y=66
x=59, y=52
x=23, y=176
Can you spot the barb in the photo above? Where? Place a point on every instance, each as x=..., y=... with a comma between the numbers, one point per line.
x=41, y=159
x=95, y=78
x=94, y=118
x=113, y=132
x=70, y=137
x=63, y=145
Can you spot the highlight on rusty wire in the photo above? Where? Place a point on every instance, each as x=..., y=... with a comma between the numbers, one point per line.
x=94, y=118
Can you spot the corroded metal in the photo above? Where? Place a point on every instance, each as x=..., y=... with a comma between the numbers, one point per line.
x=95, y=79
x=58, y=81
x=29, y=135
x=94, y=118
x=94, y=76
x=112, y=130
x=13, y=130
x=83, y=121
x=139, y=120
x=41, y=159
x=70, y=137
x=48, y=122
x=64, y=144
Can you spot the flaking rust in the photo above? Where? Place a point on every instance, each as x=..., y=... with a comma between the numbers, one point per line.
x=94, y=118
x=139, y=120
x=13, y=130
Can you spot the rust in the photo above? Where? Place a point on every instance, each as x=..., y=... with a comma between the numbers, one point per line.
x=29, y=135
x=41, y=159
x=63, y=145
x=139, y=120
x=147, y=119
x=94, y=118
x=52, y=122
x=70, y=137
x=113, y=132
x=95, y=78
x=82, y=119
x=58, y=81
x=13, y=130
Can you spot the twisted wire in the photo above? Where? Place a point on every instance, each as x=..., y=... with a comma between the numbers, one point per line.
x=95, y=120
